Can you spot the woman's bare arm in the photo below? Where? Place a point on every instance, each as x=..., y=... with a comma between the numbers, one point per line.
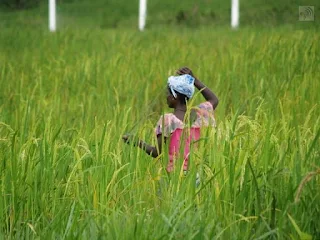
x=149, y=149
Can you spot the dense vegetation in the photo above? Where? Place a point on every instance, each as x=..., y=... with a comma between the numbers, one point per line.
x=66, y=99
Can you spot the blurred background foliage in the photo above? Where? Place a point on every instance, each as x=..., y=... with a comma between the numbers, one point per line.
x=124, y=13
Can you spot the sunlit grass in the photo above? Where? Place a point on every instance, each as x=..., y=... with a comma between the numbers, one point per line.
x=67, y=98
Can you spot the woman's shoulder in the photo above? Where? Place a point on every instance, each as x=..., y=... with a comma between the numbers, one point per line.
x=206, y=105
x=166, y=116
x=169, y=118
x=205, y=115
x=167, y=124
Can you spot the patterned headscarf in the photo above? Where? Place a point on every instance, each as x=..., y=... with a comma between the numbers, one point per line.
x=183, y=84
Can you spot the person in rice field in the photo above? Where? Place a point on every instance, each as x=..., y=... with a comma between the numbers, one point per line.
x=170, y=127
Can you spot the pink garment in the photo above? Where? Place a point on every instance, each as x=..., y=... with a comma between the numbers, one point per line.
x=174, y=146
x=172, y=127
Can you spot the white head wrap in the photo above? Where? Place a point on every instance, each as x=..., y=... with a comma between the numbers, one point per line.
x=183, y=84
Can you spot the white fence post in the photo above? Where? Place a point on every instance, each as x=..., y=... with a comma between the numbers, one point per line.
x=235, y=14
x=52, y=15
x=142, y=14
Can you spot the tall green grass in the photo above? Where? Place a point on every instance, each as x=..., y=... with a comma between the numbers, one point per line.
x=66, y=99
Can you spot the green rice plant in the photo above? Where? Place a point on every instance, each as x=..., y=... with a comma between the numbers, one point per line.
x=67, y=98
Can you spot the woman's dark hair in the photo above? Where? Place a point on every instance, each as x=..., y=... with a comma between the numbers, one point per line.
x=181, y=97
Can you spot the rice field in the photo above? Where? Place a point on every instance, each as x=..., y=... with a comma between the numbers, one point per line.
x=67, y=98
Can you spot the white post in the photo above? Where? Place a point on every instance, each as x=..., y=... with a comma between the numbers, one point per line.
x=235, y=14
x=52, y=15
x=142, y=14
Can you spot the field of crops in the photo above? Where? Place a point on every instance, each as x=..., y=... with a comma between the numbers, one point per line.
x=67, y=98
